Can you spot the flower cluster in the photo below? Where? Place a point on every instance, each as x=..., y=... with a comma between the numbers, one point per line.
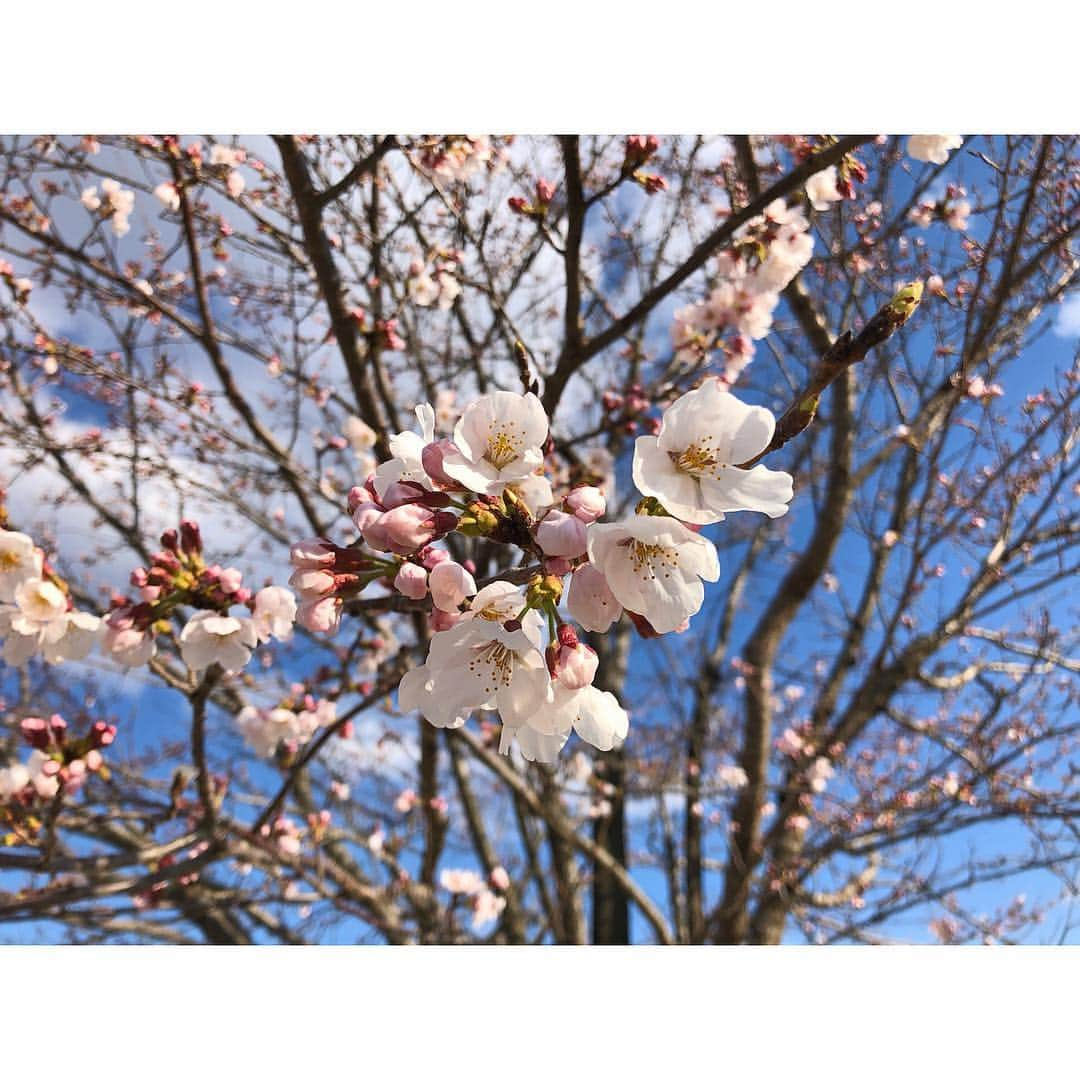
x=286, y=727
x=504, y=645
x=437, y=285
x=767, y=253
x=115, y=203
x=458, y=157
x=37, y=616
x=954, y=210
x=481, y=896
x=57, y=762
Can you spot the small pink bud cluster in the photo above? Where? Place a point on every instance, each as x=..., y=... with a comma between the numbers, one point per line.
x=325, y=575
x=60, y=762
x=382, y=333
x=627, y=409
x=177, y=575
x=406, y=519
x=545, y=192
x=639, y=150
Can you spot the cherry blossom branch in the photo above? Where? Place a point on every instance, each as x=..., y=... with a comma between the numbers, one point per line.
x=570, y=362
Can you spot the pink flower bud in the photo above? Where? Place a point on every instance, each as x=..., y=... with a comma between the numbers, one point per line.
x=431, y=557
x=190, y=540
x=230, y=580
x=364, y=513
x=576, y=666
x=312, y=584
x=432, y=458
x=403, y=530
x=451, y=584
x=586, y=503
x=400, y=493
x=358, y=495
x=411, y=581
x=443, y=620
x=312, y=554
x=35, y=732
x=562, y=535
x=500, y=879
x=321, y=616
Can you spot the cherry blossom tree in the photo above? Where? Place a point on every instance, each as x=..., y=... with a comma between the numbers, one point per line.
x=579, y=539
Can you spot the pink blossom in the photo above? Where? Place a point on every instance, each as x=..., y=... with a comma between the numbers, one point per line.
x=312, y=554
x=791, y=743
x=451, y=585
x=321, y=616
x=575, y=664
x=432, y=457
x=411, y=581
x=562, y=535
x=586, y=503
x=591, y=602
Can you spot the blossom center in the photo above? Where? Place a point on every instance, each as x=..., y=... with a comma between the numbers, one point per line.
x=698, y=458
x=650, y=559
x=493, y=664
x=505, y=443
x=8, y=560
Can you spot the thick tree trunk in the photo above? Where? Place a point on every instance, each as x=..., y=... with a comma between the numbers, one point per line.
x=610, y=908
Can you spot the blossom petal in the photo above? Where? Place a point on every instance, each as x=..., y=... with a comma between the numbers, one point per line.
x=765, y=490
x=601, y=720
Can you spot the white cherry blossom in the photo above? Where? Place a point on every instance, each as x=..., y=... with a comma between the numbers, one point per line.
x=535, y=492
x=499, y=441
x=595, y=715
x=19, y=559
x=40, y=601
x=590, y=600
x=479, y=664
x=13, y=779
x=933, y=148
x=127, y=644
x=168, y=196
x=654, y=567
x=406, y=449
x=70, y=638
x=821, y=189
x=451, y=585
x=210, y=638
x=275, y=613
x=691, y=467
x=44, y=782
x=265, y=729
x=39, y=613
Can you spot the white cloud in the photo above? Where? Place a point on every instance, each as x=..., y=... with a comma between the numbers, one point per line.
x=1067, y=323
